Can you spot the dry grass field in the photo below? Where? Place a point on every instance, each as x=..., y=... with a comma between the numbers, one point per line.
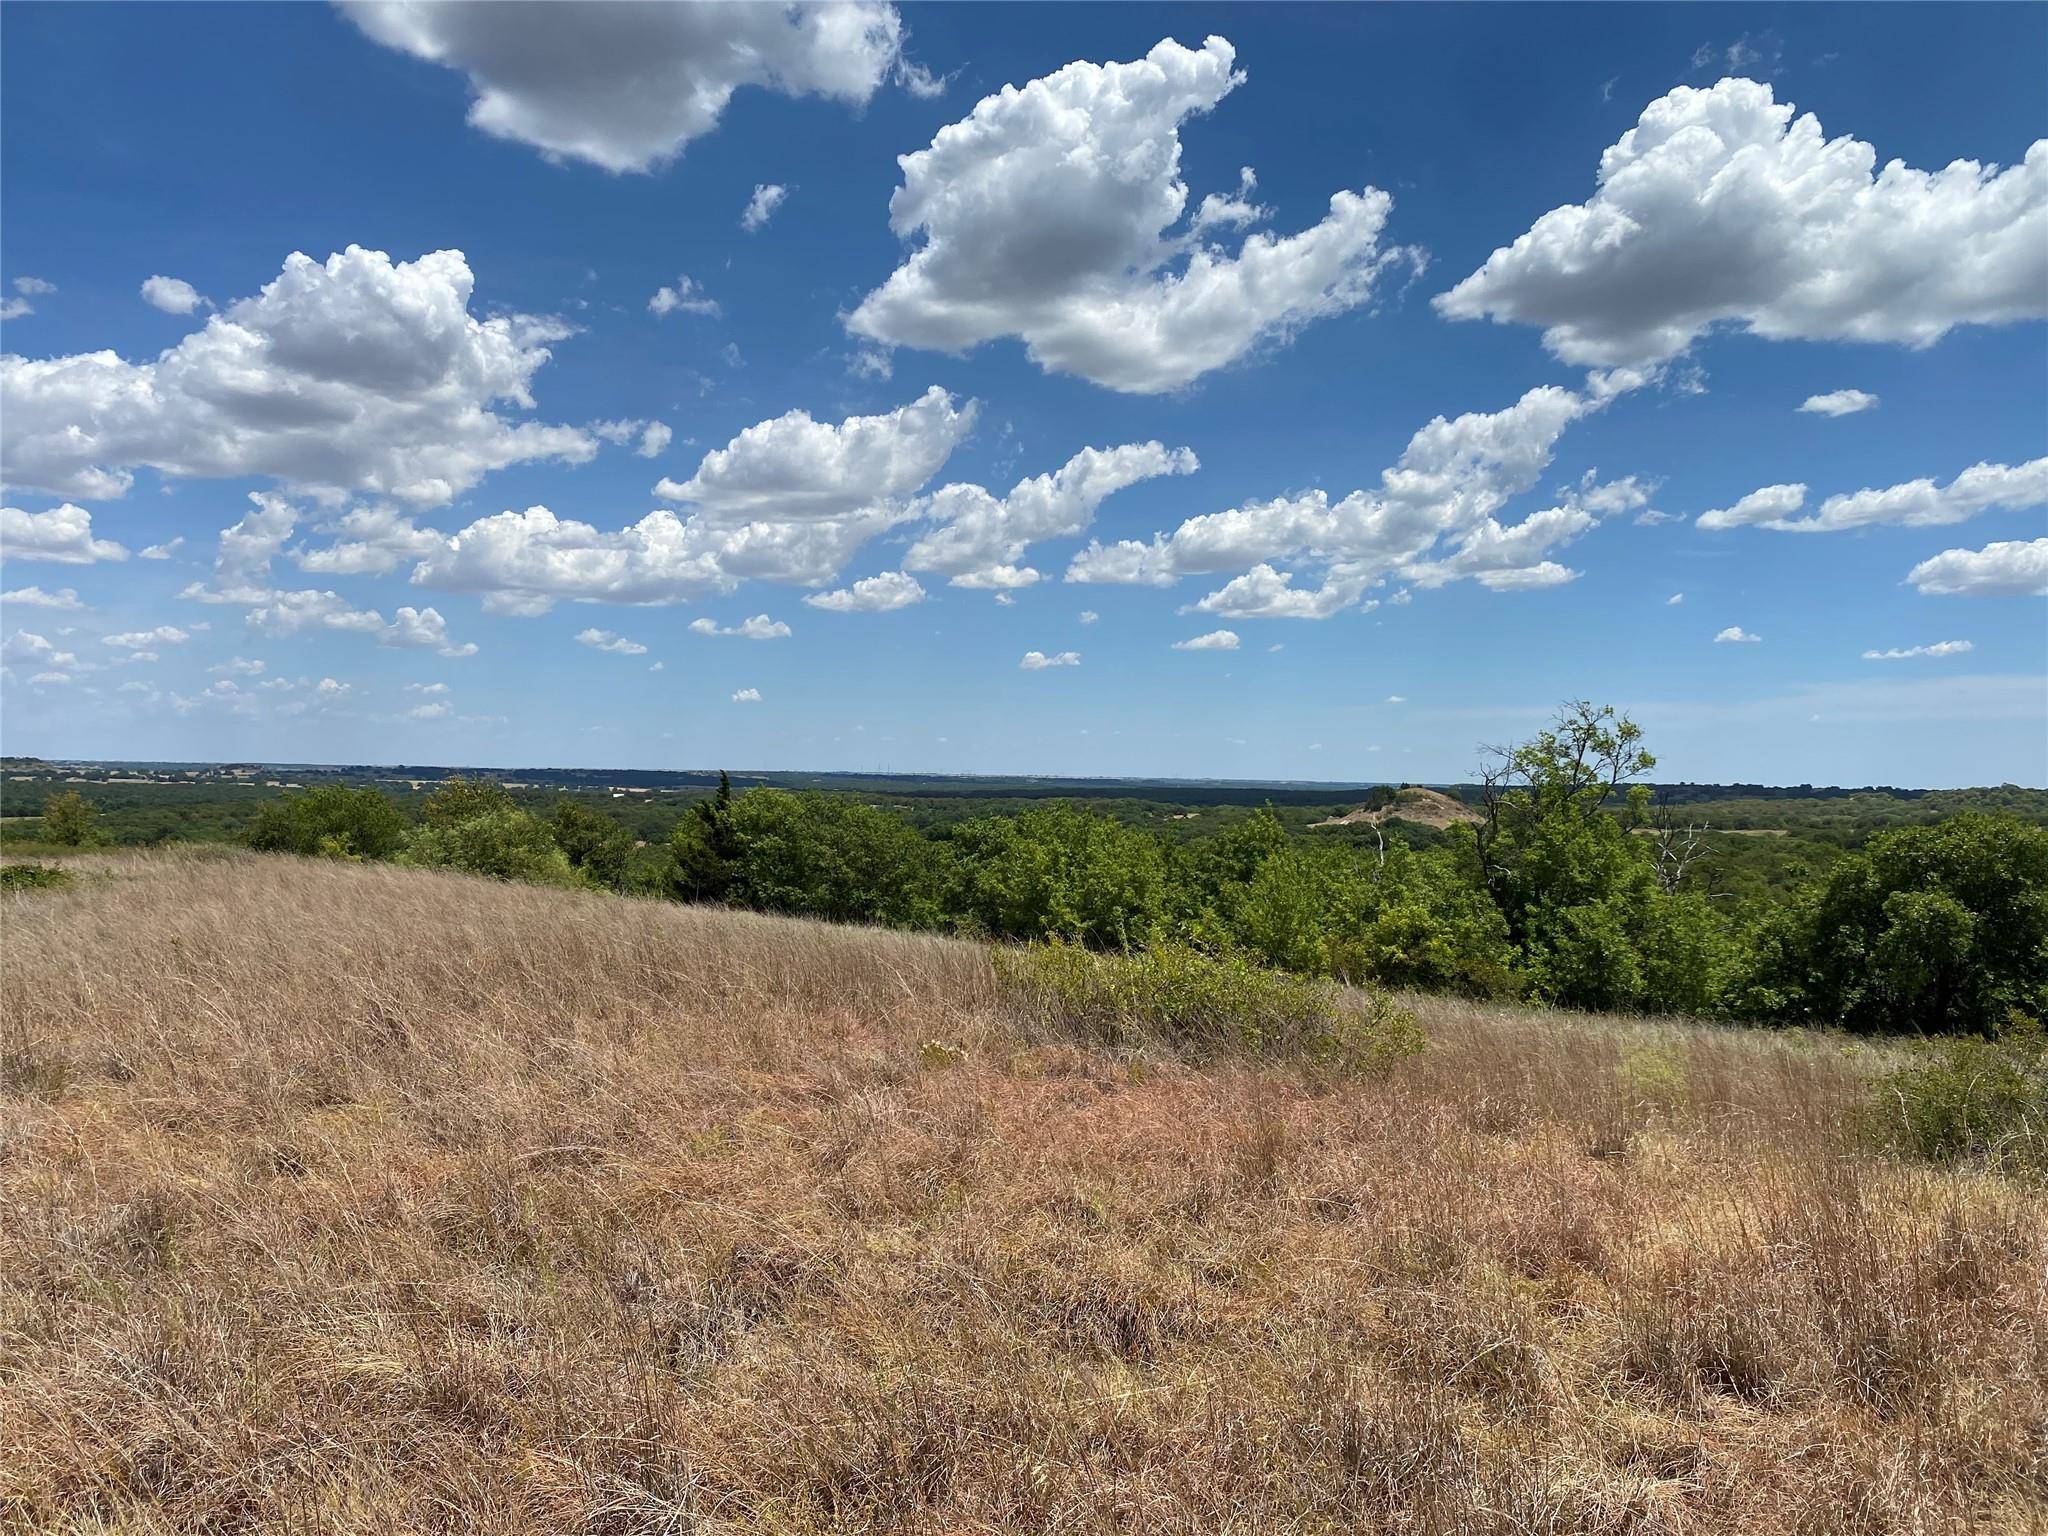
x=357, y=1199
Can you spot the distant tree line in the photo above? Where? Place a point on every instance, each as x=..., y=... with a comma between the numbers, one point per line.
x=1574, y=888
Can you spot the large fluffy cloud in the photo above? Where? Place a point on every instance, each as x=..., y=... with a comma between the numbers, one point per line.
x=625, y=84
x=1048, y=214
x=1913, y=504
x=788, y=500
x=1720, y=207
x=359, y=373
x=981, y=538
x=2016, y=568
x=62, y=534
x=795, y=468
x=1431, y=519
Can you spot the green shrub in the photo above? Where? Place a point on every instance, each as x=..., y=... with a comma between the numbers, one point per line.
x=504, y=844
x=72, y=821
x=1172, y=994
x=1970, y=1099
x=1058, y=872
x=331, y=822
x=33, y=877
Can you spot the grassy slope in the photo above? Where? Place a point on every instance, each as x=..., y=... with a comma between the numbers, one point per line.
x=364, y=1199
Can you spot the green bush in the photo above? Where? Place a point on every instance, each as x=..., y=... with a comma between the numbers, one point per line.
x=503, y=844
x=1938, y=929
x=34, y=877
x=330, y=822
x=72, y=821
x=1175, y=995
x=1056, y=872
x=1970, y=1099
x=598, y=845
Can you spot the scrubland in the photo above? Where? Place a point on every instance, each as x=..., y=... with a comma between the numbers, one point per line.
x=355, y=1198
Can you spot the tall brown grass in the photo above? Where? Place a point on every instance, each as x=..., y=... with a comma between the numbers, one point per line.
x=355, y=1199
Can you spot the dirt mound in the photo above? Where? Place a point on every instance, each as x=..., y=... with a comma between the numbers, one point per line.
x=1425, y=807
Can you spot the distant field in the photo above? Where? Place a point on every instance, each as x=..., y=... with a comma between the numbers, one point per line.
x=354, y=1198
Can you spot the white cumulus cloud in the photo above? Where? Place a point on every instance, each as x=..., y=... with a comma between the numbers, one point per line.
x=64, y=599
x=762, y=205
x=1038, y=661
x=759, y=627
x=1215, y=640
x=1049, y=213
x=1735, y=634
x=605, y=640
x=1721, y=208
x=626, y=85
x=1913, y=504
x=1919, y=652
x=172, y=295
x=359, y=373
x=871, y=594
x=1839, y=402
x=747, y=696
x=62, y=535
x=2014, y=568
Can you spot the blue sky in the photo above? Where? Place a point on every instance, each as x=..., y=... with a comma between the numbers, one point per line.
x=1258, y=374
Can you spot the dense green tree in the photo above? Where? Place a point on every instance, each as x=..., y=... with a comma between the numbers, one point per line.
x=817, y=855
x=598, y=845
x=71, y=821
x=1937, y=929
x=504, y=843
x=1057, y=872
x=331, y=822
x=704, y=849
x=462, y=798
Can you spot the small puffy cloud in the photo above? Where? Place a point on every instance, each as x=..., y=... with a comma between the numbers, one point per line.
x=685, y=296
x=762, y=205
x=1674, y=600
x=605, y=640
x=871, y=594
x=25, y=647
x=626, y=87
x=1396, y=698
x=17, y=309
x=1839, y=402
x=759, y=627
x=428, y=688
x=980, y=539
x=1933, y=652
x=1721, y=208
x=239, y=666
x=356, y=374
x=291, y=613
x=1215, y=640
x=1049, y=213
x=1735, y=634
x=870, y=363
x=796, y=467
x=1087, y=616
x=1768, y=507
x=372, y=541
x=62, y=535
x=1038, y=661
x=2015, y=568
x=1913, y=504
x=165, y=550
x=653, y=436
x=148, y=639
x=1432, y=518
x=434, y=711
x=34, y=287
x=64, y=599
x=747, y=696
x=172, y=295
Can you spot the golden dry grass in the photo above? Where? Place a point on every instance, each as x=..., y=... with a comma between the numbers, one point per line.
x=359, y=1199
